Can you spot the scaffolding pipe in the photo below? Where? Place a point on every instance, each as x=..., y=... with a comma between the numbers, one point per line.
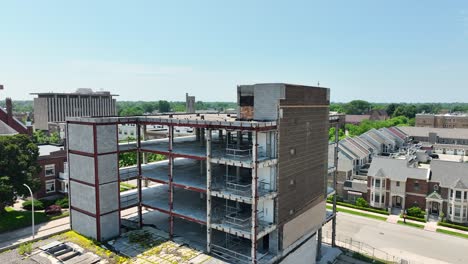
x=139, y=160
x=171, y=181
x=145, y=155
x=208, y=191
x=335, y=171
x=254, y=196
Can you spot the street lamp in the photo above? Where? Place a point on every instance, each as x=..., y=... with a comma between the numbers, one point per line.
x=32, y=203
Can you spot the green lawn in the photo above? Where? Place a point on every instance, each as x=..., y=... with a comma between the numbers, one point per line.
x=125, y=186
x=401, y=222
x=12, y=219
x=452, y=233
x=343, y=210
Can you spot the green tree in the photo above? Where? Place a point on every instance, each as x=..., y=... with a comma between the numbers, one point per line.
x=39, y=137
x=391, y=108
x=18, y=166
x=331, y=134
x=164, y=106
x=54, y=138
x=357, y=107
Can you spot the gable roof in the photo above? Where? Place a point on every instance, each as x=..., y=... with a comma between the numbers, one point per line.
x=356, y=118
x=6, y=130
x=450, y=174
x=434, y=196
x=395, y=169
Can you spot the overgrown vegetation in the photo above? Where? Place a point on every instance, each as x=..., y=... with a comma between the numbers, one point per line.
x=127, y=108
x=367, y=259
x=25, y=248
x=91, y=245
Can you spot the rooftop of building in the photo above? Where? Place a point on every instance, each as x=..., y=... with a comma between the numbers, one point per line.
x=450, y=174
x=356, y=118
x=396, y=169
x=79, y=91
x=454, y=114
x=183, y=119
x=6, y=130
x=46, y=150
x=455, y=133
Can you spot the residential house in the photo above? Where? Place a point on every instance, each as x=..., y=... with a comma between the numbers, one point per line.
x=397, y=183
x=448, y=189
x=54, y=173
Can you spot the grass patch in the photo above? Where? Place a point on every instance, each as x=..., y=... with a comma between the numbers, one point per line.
x=343, y=210
x=418, y=219
x=367, y=258
x=126, y=186
x=401, y=222
x=368, y=209
x=11, y=219
x=91, y=245
x=452, y=233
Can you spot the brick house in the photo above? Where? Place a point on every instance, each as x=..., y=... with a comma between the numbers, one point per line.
x=53, y=174
x=448, y=188
x=397, y=183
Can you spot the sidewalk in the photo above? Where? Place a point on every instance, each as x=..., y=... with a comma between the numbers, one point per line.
x=21, y=235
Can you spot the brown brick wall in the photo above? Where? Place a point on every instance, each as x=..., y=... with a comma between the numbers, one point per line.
x=303, y=129
x=412, y=200
x=423, y=186
x=58, y=160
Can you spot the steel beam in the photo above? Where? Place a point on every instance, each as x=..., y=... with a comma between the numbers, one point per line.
x=208, y=190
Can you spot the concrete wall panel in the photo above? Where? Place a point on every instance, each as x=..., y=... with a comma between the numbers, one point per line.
x=84, y=224
x=106, y=138
x=266, y=101
x=107, y=168
x=109, y=197
x=110, y=226
x=83, y=197
x=80, y=138
x=304, y=255
x=82, y=168
x=305, y=223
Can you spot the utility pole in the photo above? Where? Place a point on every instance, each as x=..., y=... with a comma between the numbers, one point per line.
x=335, y=171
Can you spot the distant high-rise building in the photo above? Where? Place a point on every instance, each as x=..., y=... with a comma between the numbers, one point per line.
x=55, y=107
x=455, y=120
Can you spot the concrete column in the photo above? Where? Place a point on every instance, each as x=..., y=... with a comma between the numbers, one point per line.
x=220, y=135
x=140, y=172
x=202, y=136
x=254, y=198
x=171, y=181
x=197, y=134
x=319, y=245
x=208, y=191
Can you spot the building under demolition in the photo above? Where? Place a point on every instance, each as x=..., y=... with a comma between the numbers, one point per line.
x=250, y=188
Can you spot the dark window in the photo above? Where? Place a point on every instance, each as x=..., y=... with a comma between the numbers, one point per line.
x=398, y=184
x=416, y=186
x=458, y=194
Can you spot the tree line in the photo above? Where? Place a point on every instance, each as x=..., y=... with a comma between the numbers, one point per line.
x=409, y=110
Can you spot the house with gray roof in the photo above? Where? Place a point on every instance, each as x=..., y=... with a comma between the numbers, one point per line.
x=396, y=183
x=449, y=185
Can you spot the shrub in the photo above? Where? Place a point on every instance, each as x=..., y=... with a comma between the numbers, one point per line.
x=25, y=248
x=415, y=212
x=361, y=202
x=416, y=218
x=62, y=202
x=45, y=202
x=38, y=205
x=454, y=226
x=53, y=209
x=368, y=209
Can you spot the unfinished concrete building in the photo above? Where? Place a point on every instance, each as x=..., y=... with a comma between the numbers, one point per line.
x=248, y=189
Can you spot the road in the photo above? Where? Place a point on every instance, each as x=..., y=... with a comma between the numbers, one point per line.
x=403, y=241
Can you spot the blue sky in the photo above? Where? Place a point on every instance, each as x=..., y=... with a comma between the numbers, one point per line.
x=381, y=51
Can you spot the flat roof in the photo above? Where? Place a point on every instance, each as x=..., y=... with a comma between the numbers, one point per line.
x=45, y=150
x=76, y=94
x=455, y=133
x=210, y=119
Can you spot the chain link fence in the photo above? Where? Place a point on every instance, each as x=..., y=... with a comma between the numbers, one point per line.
x=365, y=249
